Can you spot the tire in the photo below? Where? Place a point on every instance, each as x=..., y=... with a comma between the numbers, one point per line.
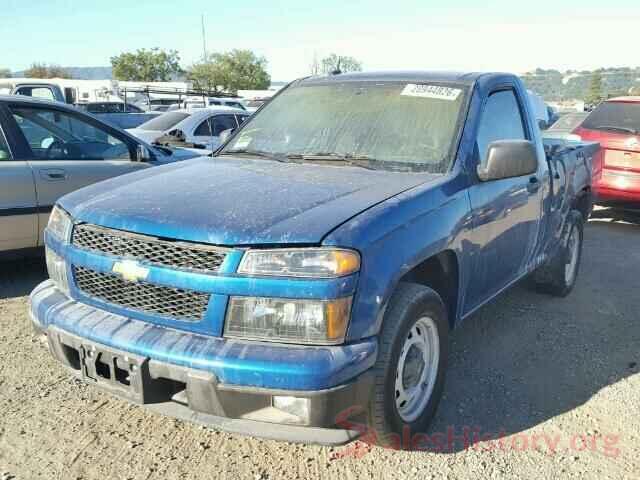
x=415, y=313
x=559, y=277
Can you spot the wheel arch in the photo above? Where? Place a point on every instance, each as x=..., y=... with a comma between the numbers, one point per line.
x=441, y=273
x=584, y=202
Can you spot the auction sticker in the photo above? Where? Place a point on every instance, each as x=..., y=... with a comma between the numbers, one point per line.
x=431, y=91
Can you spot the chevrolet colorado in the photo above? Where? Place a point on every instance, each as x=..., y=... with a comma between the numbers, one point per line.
x=303, y=282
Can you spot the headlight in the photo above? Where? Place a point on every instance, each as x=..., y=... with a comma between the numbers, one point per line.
x=57, y=269
x=300, y=262
x=287, y=320
x=60, y=224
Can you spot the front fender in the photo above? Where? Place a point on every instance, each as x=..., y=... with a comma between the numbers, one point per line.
x=396, y=236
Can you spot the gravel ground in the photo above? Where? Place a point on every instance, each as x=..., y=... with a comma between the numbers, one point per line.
x=556, y=379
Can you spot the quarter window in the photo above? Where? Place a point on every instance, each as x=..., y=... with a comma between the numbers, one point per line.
x=501, y=120
x=5, y=154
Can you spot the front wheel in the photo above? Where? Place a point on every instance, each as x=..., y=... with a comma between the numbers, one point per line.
x=410, y=370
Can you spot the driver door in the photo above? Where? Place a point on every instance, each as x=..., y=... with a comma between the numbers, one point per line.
x=67, y=151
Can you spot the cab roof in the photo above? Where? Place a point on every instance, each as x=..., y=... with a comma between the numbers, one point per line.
x=463, y=78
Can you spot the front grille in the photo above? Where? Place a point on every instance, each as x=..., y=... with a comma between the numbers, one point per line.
x=177, y=255
x=142, y=297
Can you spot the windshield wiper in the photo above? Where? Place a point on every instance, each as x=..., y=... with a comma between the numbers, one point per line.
x=617, y=129
x=352, y=160
x=254, y=153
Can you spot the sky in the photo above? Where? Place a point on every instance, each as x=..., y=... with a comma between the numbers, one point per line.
x=514, y=36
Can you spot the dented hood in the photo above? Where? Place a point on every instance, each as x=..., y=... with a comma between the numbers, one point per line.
x=231, y=201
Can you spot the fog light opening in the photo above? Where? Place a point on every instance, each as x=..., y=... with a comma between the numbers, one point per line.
x=299, y=407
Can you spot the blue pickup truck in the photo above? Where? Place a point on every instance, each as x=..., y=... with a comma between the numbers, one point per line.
x=302, y=283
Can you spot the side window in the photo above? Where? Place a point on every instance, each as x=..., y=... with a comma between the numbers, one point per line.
x=220, y=123
x=96, y=108
x=5, y=153
x=57, y=135
x=501, y=120
x=204, y=129
x=133, y=109
x=37, y=92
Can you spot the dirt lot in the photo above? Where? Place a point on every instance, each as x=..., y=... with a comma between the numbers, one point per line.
x=556, y=379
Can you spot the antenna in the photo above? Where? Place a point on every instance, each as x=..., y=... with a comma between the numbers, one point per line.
x=204, y=41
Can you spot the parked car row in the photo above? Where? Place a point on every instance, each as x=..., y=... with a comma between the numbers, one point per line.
x=302, y=284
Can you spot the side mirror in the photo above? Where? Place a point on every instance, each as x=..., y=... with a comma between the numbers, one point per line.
x=509, y=158
x=143, y=154
x=225, y=134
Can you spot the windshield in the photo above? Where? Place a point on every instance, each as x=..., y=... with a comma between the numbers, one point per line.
x=164, y=122
x=623, y=117
x=394, y=126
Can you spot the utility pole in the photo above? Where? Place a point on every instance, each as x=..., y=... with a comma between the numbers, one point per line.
x=204, y=42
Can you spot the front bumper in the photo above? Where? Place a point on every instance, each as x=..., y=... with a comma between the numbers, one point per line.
x=188, y=375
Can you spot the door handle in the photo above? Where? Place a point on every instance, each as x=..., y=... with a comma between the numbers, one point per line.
x=534, y=184
x=53, y=174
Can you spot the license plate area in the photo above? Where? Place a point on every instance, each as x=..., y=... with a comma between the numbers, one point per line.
x=123, y=374
x=622, y=159
x=120, y=373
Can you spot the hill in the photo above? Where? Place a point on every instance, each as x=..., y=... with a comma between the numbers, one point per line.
x=82, y=73
x=572, y=84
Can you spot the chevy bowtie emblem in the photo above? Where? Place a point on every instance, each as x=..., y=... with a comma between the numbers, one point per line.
x=130, y=271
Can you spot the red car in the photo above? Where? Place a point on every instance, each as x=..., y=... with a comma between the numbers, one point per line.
x=615, y=124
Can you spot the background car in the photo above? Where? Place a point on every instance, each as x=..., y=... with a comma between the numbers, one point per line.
x=119, y=114
x=198, y=102
x=615, y=123
x=110, y=107
x=48, y=149
x=254, y=104
x=199, y=127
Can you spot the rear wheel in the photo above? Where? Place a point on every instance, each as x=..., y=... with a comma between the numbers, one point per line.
x=411, y=364
x=559, y=276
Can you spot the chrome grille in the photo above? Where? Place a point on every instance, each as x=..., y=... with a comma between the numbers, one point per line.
x=178, y=255
x=143, y=297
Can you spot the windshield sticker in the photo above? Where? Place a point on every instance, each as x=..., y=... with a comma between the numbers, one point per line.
x=242, y=142
x=431, y=91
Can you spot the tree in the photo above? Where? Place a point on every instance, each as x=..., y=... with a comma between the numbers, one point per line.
x=334, y=62
x=153, y=65
x=595, y=94
x=230, y=71
x=5, y=73
x=206, y=75
x=42, y=70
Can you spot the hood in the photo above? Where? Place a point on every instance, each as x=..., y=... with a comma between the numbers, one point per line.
x=148, y=136
x=177, y=154
x=231, y=201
